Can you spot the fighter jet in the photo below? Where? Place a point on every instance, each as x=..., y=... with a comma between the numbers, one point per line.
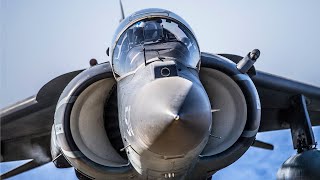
x=160, y=109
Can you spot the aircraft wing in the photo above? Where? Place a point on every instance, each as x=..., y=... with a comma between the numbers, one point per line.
x=277, y=95
x=26, y=125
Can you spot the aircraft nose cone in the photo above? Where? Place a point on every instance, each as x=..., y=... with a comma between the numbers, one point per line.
x=172, y=116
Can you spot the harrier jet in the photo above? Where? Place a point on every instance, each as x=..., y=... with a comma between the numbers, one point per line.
x=160, y=109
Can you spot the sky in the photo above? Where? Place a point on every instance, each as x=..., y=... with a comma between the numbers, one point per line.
x=42, y=39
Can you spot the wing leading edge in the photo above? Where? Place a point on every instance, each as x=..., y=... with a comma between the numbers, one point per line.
x=26, y=125
x=277, y=96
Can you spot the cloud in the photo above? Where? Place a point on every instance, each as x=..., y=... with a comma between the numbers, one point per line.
x=37, y=153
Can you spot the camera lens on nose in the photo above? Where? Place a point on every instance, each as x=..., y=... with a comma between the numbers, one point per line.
x=165, y=72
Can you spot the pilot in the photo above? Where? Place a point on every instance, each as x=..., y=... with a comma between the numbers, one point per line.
x=153, y=31
x=155, y=41
x=138, y=37
x=186, y=41
x=150, y=31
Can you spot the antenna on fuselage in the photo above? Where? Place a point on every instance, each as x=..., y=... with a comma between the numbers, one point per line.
x=122, y=12
x=144, y=56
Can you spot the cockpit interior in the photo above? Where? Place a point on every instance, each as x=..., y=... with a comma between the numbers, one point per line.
x=156, y=39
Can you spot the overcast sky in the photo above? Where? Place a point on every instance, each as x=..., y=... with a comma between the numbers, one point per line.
x=42, y=39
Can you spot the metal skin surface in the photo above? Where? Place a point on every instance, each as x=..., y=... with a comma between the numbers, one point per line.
x=304, y=165
x=152, y=107
x=87, y=161
x=164, y=111
x=159, y=109
x=165, y=122
x=210, y=160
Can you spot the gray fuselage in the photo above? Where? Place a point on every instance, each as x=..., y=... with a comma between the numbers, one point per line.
x=164, y=112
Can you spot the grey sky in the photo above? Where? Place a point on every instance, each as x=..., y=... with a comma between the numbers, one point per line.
x=42, y=39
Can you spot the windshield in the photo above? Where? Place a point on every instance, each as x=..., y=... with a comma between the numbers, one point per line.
x=154, y=40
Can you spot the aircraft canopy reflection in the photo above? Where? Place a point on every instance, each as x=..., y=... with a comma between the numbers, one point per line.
x=160, y=38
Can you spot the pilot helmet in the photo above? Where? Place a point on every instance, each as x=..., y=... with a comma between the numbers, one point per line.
x=147, y=31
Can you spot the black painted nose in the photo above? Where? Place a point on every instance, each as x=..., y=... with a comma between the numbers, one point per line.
x=171, y=116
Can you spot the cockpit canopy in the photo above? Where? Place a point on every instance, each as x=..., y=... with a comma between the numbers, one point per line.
x=154, y=38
